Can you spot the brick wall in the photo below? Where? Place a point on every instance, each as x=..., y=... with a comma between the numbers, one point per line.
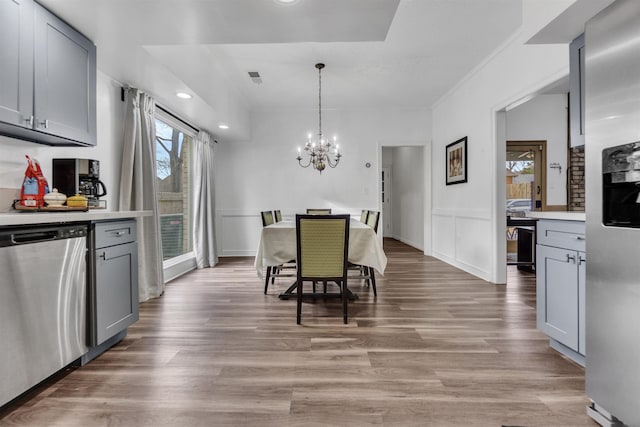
x=576, y=179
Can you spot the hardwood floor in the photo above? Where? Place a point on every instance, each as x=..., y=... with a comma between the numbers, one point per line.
x=438, y=347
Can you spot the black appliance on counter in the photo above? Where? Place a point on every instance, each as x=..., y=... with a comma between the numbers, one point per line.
x=79, y=176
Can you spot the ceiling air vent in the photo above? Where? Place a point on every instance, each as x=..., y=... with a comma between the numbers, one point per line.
x=255, y=77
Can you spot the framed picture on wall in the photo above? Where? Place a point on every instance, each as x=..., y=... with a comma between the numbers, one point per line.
x=457, y=162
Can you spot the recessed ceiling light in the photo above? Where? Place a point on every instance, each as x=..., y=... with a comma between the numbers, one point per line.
x=223, y=126
x=287, y=2
x=183, y=95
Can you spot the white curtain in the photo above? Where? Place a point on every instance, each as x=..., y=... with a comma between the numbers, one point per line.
x=204, y=242
x=138, y=189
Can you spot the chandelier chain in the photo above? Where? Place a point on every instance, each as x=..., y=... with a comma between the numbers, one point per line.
x=320, y=102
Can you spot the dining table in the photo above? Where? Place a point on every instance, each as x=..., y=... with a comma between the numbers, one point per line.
x=277, y=246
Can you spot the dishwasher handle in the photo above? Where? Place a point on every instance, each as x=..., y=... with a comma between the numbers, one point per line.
x=34, y=237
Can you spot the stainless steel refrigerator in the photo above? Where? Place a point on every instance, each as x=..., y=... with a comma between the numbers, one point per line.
x=612, y=152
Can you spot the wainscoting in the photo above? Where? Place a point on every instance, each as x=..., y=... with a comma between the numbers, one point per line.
x=462, y=237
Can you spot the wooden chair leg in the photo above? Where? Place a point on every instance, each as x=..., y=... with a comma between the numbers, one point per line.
x=299, y=303
x=345, y=301
x=372, y=275
x=266, y=281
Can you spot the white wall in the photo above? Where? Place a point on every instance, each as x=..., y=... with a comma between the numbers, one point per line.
x=545, y=118
x=108, y=150
x=468, y=219
x=262, y=173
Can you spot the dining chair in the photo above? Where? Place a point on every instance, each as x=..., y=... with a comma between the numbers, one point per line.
x=372, y=219
x=277, y=271
x=267, y=219
x=363, y=216
x=322, y=243
x=368, y=273
x=318, y=211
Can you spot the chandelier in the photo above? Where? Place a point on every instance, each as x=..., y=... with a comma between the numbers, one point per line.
x=321, y=152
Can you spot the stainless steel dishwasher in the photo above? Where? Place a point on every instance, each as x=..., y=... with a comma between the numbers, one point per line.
x=43, y=280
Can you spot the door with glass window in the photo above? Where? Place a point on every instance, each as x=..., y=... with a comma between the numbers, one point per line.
x=526, y=179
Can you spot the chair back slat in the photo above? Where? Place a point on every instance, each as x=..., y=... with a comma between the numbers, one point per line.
x=278, y=215
x=363, y=216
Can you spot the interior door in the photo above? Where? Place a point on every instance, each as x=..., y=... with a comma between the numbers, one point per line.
x=385, y=197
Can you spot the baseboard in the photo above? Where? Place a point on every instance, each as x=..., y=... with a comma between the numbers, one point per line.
x=484, y=275
x=98, y=350
x=410, y=243
x=571, y=354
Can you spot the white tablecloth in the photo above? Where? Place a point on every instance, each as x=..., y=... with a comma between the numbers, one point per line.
x=278, y=245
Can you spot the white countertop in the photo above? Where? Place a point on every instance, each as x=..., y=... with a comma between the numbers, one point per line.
x=563, y=216
x=26, y=218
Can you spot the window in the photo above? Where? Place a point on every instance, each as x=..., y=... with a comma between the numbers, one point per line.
x=173, y=148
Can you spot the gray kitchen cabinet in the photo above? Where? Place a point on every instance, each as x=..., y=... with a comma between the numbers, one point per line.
x=582, y=302
x=560, y=283
x=114, y=271
x=16, y=64
x=576, y=91
x=48, y=83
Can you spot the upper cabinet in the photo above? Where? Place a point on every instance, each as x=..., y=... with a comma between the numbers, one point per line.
x=48, y=82
x=576, y=90
x=16, y=64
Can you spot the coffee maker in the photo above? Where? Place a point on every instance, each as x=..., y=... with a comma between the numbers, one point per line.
x=79, y=176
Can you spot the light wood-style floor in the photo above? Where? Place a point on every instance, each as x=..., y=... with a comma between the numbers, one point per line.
x=438, y=347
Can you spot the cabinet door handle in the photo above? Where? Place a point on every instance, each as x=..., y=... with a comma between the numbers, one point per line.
x=571, y=258
x=29, y=121
x=581, y=260
x=119, y=233
x=580, y=238
x=103, y=256
x=45, y=124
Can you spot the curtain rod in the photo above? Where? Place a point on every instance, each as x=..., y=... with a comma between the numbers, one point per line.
x=164, y=110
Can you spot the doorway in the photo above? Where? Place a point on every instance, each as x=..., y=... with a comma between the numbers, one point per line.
x=525, y=191
x=401, y=180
